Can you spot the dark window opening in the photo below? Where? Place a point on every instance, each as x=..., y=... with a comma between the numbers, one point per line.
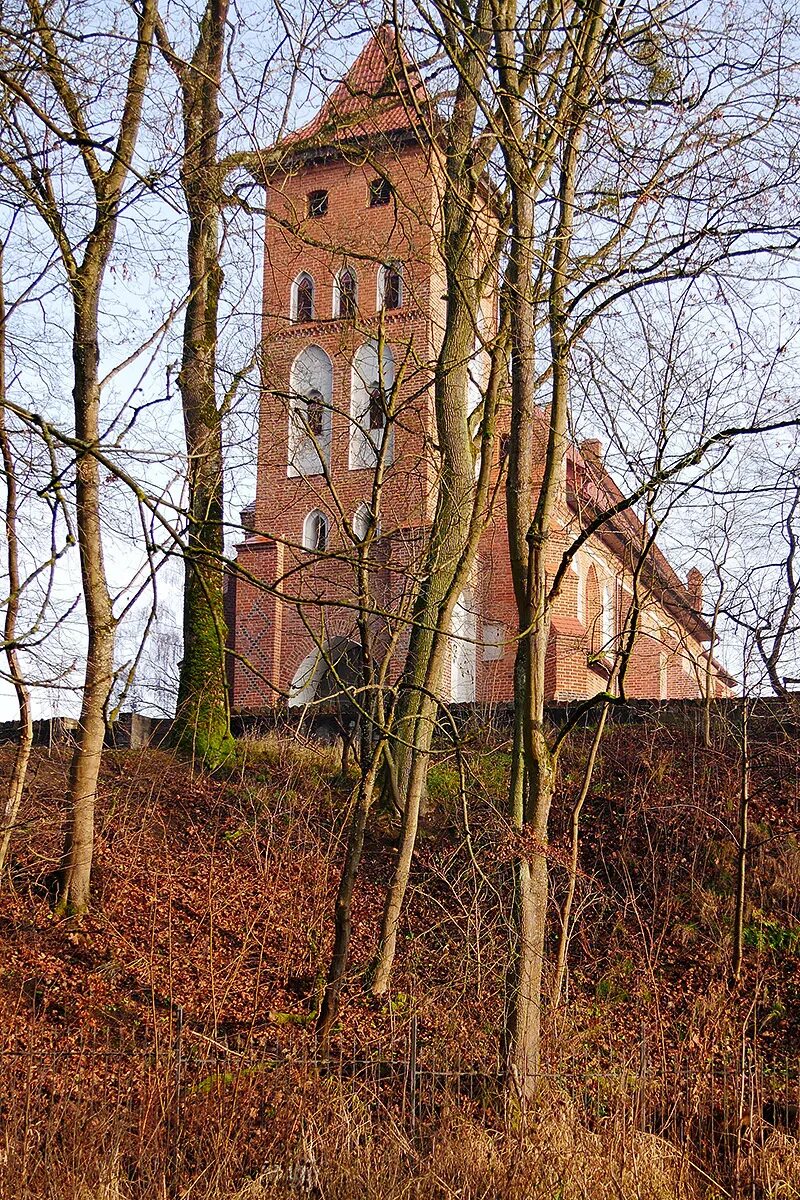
x=315, y=413
x=392, y=288
x=304, y=308
x=377, y=407
x=347, y=294
x=317, y=203
x=380, y=193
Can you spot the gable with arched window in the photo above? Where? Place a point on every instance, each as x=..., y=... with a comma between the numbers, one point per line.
x=371, y=399
x=310, y=393
x=390, y=287
x=302, y=298
x=345, y=294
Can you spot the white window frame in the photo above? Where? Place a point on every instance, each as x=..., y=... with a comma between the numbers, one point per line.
x=310, y=537
x=294, y=291
x=312, y=370
x=463, y=656
x=381, y=293
x=337, y=295
x=366, y=443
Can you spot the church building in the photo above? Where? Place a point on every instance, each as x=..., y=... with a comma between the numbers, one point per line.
x=354, y=307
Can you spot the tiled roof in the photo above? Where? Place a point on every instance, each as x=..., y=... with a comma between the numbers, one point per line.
x=381, y=94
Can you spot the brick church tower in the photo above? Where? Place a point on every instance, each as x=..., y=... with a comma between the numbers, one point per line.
x=352, y=306
x=353, y=313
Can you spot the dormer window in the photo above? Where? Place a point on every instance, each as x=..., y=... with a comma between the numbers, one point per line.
x=318, y=203
x=303, y=298
x=390, y=287
x=380, y=193
x=346, y=295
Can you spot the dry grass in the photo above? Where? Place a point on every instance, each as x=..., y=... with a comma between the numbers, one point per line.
x=289, y=1132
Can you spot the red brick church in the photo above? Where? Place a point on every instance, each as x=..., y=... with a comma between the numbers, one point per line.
x=354, y=309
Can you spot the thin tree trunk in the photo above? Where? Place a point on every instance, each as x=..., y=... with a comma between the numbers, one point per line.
x=86, y=280
x=76, y=860
x=19, y=770
x=329, y=1009
x=530, y=542
x=742, y=847
x=575, y=819
x=461, y=507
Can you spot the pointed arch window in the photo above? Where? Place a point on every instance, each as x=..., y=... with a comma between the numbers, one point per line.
x=371, y=391
x=390, y=287
x=607, y=620
x=462, y=650
x=594, y=612
x=315, y=531
x=302, y=303
x=310, y=393
x=346, y=295
x=362, y=521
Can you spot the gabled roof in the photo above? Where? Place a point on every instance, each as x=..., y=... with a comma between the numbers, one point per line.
x=381, y=95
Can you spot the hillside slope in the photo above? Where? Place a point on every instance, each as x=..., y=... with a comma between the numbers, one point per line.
x=211, y=930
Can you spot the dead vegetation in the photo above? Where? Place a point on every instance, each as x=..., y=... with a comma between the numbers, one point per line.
x=165, y=1046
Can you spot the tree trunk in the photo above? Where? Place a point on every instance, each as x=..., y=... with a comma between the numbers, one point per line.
x=575, y=818
x=202, y=723
x=742, y=848
x=76, y=860
x=460, y=506
x=19, y=770
x=329, y=1009
x=530, y=542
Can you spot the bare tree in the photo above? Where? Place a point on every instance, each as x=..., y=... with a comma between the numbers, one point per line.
x=45, y=115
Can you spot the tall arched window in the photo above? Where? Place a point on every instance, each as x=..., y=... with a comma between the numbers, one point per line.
x=462, y=650
x=302, y=302
x=594, y=612
x=390, y=287
x=345, y=295
x=371, y=397
x=608, y=623
x=315, y=531
x=310, y=392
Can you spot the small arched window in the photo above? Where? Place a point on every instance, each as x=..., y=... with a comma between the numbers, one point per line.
x=390, y=287
x=346, y=295
x=362, y=520
x=303, y=298
x=315, y=531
